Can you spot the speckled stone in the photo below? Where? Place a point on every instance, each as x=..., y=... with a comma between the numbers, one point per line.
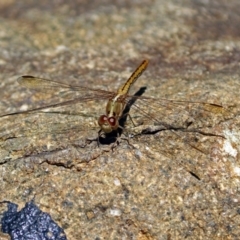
x=163, y=184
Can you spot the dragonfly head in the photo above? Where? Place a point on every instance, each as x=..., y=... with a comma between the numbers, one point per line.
x=107, y=124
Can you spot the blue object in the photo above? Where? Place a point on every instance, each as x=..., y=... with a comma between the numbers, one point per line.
x=30, y=223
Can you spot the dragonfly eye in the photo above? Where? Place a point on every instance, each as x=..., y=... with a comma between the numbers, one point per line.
x=102, y=120
x=112, y=121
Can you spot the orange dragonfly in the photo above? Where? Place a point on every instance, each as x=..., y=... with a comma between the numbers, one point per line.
x=154, y=109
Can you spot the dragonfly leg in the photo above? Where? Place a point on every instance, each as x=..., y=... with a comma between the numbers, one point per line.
x=126, y=137
x=132, y=120
x=123, y=120
x=113, y=139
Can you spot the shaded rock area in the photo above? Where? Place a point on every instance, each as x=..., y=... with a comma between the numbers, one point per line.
x=175, y=171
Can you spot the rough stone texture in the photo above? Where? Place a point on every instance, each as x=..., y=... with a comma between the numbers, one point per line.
x=164, y=184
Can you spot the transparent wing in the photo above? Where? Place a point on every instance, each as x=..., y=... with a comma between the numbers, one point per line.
x=173, y=112
x=44, y=123
x=59, y=118
x=70, y=94
x=42, y=84
x=30, y=134
x=188, y=121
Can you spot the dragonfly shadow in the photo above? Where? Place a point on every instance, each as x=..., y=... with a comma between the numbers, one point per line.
x=128, y=106
x=110, y=138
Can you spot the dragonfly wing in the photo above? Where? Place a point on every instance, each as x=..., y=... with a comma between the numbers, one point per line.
x=175, y=113
x=43, y=123
x=40, y=134
x=187, y=121
x=42, y=84
x=70, y=94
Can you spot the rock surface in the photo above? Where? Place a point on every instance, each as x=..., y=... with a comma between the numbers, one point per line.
x=161, y=183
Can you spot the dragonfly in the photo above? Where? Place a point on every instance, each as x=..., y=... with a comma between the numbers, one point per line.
x=151, y=108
